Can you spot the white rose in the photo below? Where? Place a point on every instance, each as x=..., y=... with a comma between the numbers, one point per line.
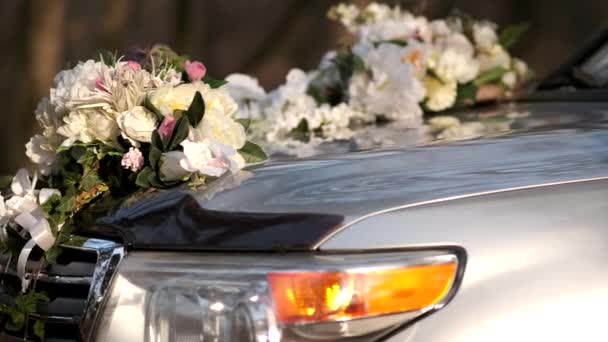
x=88, y=125
x=137, y=124
x=170, y=169
x=440, y=95
x=168, y=98
x=220, y=127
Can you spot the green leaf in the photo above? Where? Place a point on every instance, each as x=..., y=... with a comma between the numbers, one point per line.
x=50, y=204
x=154, y=157
x=5, y=182
x=252, y=153
x=90, y=179
x=244, y=122
x=52, y=254
x=67, y=204
x=490, y=76
x=511, y=34
x=196, y=111
x=143, y=176
x=301, y=132
x=467, y=92
x=107, y=57
x=212, y=82
x=158, y=141
x=180, y=133
x=39, y=329
x=358, y=64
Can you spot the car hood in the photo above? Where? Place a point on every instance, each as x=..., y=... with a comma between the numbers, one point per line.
x=293, y=204
x=544, y=143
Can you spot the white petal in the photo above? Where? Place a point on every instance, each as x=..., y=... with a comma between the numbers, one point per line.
x=21, y=184
x=46, y=193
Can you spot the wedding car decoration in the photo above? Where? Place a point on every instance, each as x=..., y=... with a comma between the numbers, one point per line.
x=398, y=67
x=111, y=127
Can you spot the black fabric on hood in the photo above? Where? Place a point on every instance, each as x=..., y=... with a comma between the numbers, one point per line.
x=176, y=221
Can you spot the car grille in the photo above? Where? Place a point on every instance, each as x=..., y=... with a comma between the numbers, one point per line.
x=75, y=286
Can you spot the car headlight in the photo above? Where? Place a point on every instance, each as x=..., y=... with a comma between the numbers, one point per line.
x=161, y=296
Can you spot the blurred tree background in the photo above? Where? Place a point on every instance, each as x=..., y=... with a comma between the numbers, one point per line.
x=264, y=38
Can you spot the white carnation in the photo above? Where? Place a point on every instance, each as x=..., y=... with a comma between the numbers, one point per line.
x=393, y=89
x=509, y=79
x=248, y=94
x=70, y=86
x=495, y=56
x=42, y=150
x=484, y=34
x=137, y=124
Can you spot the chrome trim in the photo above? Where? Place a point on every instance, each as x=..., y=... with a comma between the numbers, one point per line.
x=109, y=255
x=57, y=319
x=446, y=199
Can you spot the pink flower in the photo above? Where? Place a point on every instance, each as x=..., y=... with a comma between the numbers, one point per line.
x=99, y=84
x=133, y=160
x=134, y=65
x=195, y=70
x=166, y=127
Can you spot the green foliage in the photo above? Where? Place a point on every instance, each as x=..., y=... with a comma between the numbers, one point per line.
x=212, y=82
x=107, y=57
x=180, y=133
x=39, y=329
x=196, y=110
x=301, y=132
x=511, y=34
x=252, y=153
x=25, y=305
x=5, y=182
x=467, y=92
x=165, y=55
x=245, y=123
x=490, y=76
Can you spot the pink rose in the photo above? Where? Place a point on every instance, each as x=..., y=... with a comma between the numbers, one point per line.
x=195, y=70
x=133, y=160
x=134, y=65
x=166, y=127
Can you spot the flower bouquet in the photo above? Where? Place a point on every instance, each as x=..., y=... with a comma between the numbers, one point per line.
x=398, y=67
x=112, y=127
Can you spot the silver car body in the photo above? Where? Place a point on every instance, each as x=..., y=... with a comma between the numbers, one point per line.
x=530, y=207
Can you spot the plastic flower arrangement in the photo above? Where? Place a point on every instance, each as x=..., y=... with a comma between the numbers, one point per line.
x=398, y=67
x=110, y=128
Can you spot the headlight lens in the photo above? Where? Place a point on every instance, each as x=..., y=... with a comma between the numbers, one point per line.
x=161, y=297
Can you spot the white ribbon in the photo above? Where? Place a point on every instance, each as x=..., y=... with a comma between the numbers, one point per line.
x=32, y=219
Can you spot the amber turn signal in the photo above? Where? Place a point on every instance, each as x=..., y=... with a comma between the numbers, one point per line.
x=304, y=297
